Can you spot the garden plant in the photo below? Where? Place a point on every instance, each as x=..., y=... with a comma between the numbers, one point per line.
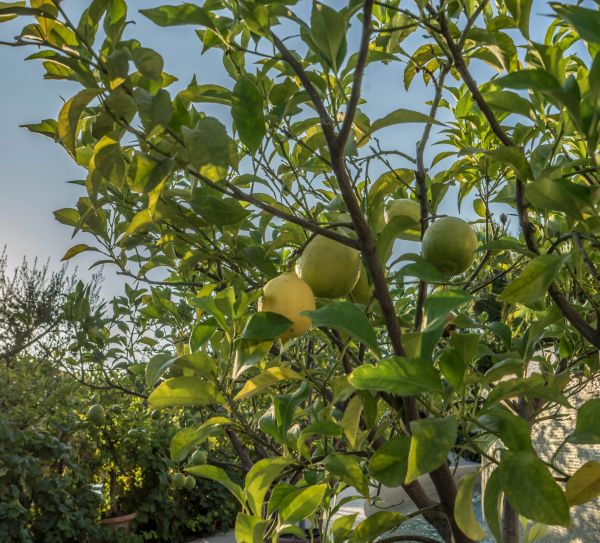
x=257, y=222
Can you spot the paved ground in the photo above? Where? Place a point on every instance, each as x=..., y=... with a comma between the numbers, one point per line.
x=219, y=538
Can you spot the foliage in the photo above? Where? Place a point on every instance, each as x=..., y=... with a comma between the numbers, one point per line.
x=45, y=494
x=215, y=206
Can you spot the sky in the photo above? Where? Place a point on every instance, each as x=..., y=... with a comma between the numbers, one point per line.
x=34, y=170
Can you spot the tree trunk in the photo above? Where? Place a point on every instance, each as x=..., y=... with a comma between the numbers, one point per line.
x=510, y=524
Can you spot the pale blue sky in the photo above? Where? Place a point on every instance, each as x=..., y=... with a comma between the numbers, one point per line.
x=34, y=170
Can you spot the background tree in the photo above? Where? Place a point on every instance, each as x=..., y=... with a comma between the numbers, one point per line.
x=218, y=212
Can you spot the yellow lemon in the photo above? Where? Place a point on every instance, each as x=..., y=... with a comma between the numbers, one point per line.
x=449, y=244
x=330, y=268
x=289, y=295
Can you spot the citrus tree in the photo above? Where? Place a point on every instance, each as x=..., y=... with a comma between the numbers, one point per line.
x=403, y=358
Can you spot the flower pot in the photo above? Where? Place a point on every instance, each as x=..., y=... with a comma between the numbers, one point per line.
x=121, y=522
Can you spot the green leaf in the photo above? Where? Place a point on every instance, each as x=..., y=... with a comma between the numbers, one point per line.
x=587, y=427
x=422, y=270
x=345, y=317
x=259, y=481
x=513, y=157
x=183, y=14
x=47, y=127
x=148, y=62
x=250, y=529
x=247, y=111
x=584, y=485
x=431, y=441
x=440, y=303
x=265, y=379
x=463, y=508
x=389, y=463
x=392, y=230
x=220, y=476
x=400, y=116
x=208, y=148
x=207, y=93
x=539, y=80
x=585, y=21
x=187, y=438
x=531, y=489
x=530, y=387
x=348, y=469
x=534, y=280
x=301, y=504
x=508, y=102
x=155, y=109
x=559, y=195
x=514, y=431
x=491, y=505
x=350, y=422
x=77, y=249
x=343, y=527
x=70, y=115
x=376, y=525
x=265, y=325
x=219, y=211
x=328, y=33
x=453, y=367
x=401, y=376
x=183, y=392
x=520, y=11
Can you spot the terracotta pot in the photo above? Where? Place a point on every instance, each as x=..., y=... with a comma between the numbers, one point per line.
x=121, y=522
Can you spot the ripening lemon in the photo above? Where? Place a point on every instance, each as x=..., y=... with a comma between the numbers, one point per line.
x=330, y=268
x=403, y=207
x=289, y=295
x=362, y=291
x=449, y=244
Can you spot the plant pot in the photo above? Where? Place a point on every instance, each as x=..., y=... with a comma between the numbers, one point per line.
x=121, y=522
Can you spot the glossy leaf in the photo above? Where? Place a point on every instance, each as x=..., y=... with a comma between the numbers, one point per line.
x=265, y=325
x=182, y=14
x=463, y=508
x=376, y=525
x=183, y=392
x=70, y=115
x=188, y=437
x=220, y=476
x=534, y=280
x=345, y=317
x=259, y=480
x=584, y=485
x=531, y=489
x=430, y=443
x=265, y=379
x=348, y=470
x=389, y=463
x=248, y=112
x=301, y=504
x=587, y=427
x=250, y=529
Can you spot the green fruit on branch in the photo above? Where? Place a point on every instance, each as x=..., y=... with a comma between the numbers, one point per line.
x=116, y=409
x=449, y=244
x=362, y=291
x=155, y=414
x=96, y=415
x=330, y=268
x=289, y=295
x=190, y=483
x=198, y=458
x=178, y=480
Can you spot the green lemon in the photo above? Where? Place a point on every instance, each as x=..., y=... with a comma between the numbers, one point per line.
x=96, y=415
x=289, y=295
x=190, y=483
x=116, y=409
x=155, y=414
x=362, y=291
x=403, y=208
x=449, y=244
x=330, y=268
x=178, y=480
x=198, y=458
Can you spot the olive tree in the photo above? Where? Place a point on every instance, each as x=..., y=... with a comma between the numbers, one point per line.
x=205, y=210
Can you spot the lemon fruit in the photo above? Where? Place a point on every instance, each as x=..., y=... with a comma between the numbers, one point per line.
x=96, y=415
x=198, y=458
x=362, y=291
x=189, y=483
x=330, y=268
x=289, y=295
x=178, y=480
x=403, y=208
x=449, y=244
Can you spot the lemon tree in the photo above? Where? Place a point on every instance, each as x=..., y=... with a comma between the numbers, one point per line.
x=297, y=155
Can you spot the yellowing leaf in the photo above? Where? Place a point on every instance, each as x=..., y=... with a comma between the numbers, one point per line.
x=266, y=379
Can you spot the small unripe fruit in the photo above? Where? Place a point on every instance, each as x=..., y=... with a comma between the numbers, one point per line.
x=96, y=415
x=449, y=244
x=116, y=409
x=155, y=414
x=403, y=208
x=198, y=458
x=178, y=480
x=190, y=483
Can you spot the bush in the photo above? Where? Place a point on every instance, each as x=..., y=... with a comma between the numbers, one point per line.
x=45, y=495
